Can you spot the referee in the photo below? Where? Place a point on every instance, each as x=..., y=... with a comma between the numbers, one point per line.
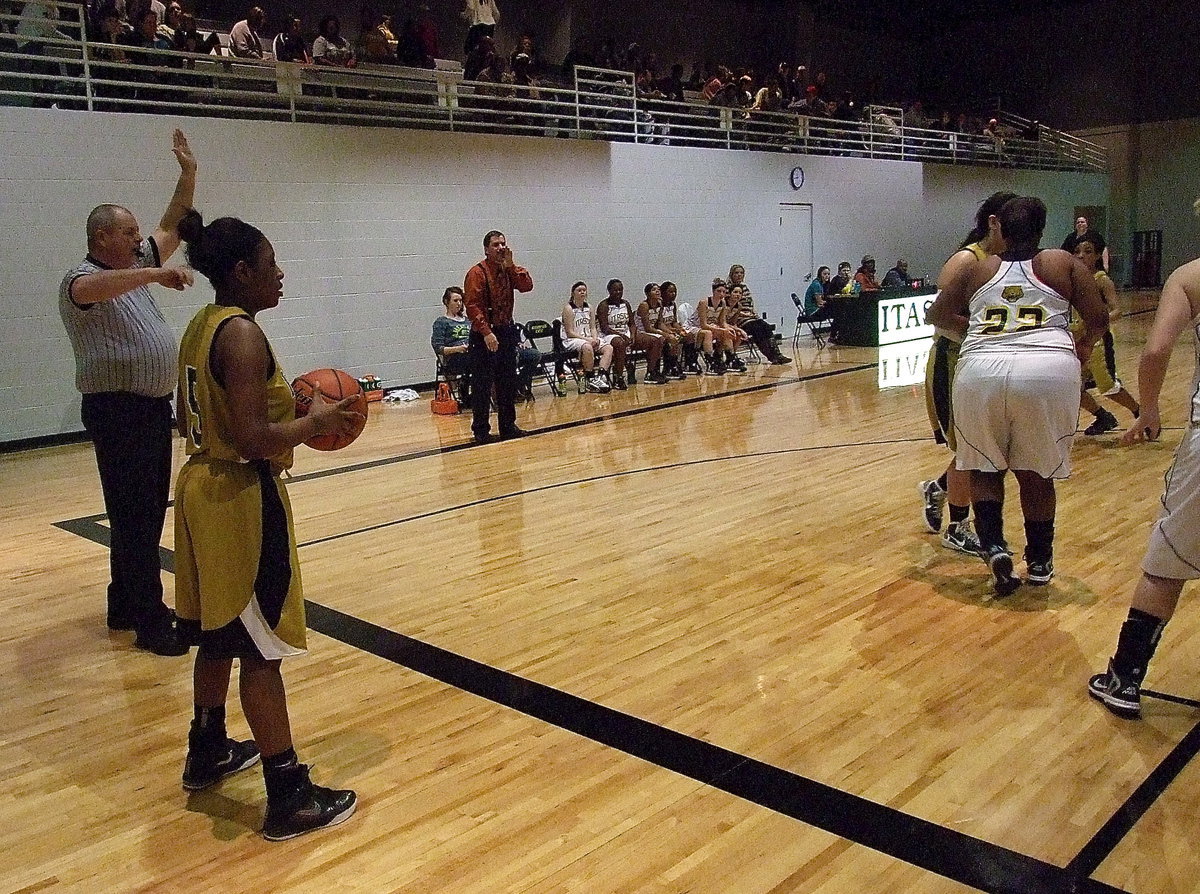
x=126, y=368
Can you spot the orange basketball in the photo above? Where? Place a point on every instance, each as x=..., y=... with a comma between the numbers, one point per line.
x=335, y=385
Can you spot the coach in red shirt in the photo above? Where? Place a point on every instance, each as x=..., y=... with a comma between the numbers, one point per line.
x=493, y=346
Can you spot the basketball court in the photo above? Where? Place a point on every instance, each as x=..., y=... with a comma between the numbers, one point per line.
x=683, y=638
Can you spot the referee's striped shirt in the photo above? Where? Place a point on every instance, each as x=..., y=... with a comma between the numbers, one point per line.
x=124, y=344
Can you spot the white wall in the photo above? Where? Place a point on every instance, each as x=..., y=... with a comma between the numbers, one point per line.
x=371, y=224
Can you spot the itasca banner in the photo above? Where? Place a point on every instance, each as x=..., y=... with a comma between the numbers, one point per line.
x=903, y=318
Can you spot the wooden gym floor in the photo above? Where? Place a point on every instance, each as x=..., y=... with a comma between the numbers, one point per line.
x=686, y=638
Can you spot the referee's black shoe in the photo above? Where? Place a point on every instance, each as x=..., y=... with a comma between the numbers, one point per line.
x=161, y=640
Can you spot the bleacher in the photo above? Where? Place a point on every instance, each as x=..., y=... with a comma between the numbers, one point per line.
x=69, y=71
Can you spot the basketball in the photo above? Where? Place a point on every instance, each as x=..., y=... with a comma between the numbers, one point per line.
x=335, y=385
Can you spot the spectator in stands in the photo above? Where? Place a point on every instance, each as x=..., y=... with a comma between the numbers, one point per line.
x=110, y=30
x=579, y=334
x=481, y=57
x=289, y=43
x=769, y=98
x=244, y=41
x=330, y=48
x=864, y=277
x=451, y=338
x=377, y=42
x=525, y=45
x=170, y=22
x=188, y=38
x=427, y=34
x=897, y=277
x=145, y=36
x=648, y=321
x=814, y=295
x=522, y=79
x=671, y=87
x=714, y=85
x=820, y=86
x=915, y=116
x=482, y=17
x=409, y=49
x=695, y=80
x=994, y=133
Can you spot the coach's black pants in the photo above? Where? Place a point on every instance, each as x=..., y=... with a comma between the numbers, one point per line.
x=497, y=367
x=132, y=437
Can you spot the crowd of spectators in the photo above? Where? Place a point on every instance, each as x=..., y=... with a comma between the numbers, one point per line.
x=155, y=25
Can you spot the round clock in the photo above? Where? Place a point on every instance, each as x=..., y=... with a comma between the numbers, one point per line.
x=797, y=177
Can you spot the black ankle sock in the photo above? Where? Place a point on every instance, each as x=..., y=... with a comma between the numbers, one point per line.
x=1135, y=647
x=989, y=524
x=959, y=513
x=1039, y=541
x=209, y=722
x=942, y=483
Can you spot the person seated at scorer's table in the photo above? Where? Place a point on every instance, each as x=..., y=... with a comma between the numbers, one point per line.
x=897, y=277
x=842, y=284
x=814, y=295
x=865, y=276
x=452, y=335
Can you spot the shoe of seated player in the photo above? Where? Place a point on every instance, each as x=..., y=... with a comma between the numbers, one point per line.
x=1000, y=563
x=619, y=383
x=935, y=504
x=1122, y=697
x=959, y=536
x=595, y=385
x=1104, y=422
x=308, y=808
x=209, y=763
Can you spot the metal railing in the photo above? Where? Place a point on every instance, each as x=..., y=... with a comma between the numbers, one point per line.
x=70, y=71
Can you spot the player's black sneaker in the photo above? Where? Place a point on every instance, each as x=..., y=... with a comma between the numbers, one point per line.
x=1122, y=697
x=999, y=561
x=935, y=504
x=307, y=808
x=207, y=764
x=1104, y=422
x=959, y=536
x=1039, y=573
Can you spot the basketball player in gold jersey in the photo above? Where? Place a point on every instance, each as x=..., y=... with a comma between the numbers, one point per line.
x=982, y=241
x=1098, y=370
x=237, y=580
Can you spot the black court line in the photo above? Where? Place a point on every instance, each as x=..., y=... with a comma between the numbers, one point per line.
x=1122, y=822
x=937, y=849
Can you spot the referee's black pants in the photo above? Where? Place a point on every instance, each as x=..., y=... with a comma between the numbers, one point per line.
x=497, y=367
x=132, y=437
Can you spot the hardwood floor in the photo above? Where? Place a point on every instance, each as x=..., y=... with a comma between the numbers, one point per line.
x=685, y=638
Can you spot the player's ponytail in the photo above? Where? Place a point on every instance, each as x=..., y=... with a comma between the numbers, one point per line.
x=216, y=249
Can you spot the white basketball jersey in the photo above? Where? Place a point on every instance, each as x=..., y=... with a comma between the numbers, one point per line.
x=582, y=321
x=1194, y=418
x=669, y=314
x=1016, y=309
x=618, y=318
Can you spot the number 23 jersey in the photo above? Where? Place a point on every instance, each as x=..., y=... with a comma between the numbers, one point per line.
x=1017, y=310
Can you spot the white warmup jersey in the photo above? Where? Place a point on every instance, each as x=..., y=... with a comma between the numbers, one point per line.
x=1174, y=550
x=1016, y=309
x=690, y=317
x=582, y=320
x=618, y=318
x=1016, y=386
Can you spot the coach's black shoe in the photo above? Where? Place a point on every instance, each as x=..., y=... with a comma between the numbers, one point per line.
x=119, y=621
x=483, y=437
x=207, y=764
x=307, y=808
x=1122, y=697
x=1000, y=563
x=161, y=640
x=510, y=433
x=1104, y=422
